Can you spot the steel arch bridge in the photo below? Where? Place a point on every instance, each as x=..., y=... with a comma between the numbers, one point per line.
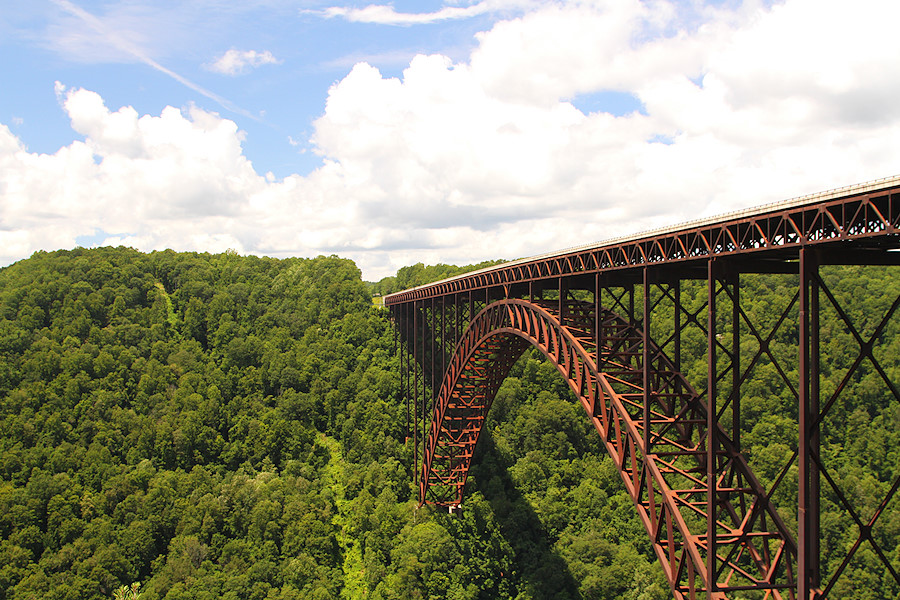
x=593, y=311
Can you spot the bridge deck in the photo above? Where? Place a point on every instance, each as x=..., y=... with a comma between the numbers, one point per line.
x=858, y=217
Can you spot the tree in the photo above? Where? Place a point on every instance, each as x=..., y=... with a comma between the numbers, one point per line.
x=128, y=592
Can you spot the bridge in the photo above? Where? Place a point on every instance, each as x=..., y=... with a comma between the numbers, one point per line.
x=612, y=318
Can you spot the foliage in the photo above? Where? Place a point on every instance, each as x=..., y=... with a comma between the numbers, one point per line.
x=128, y=592
x=218, y=426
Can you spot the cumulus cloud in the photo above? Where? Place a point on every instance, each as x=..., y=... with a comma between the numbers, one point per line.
x=463, y=161
x=237, y=62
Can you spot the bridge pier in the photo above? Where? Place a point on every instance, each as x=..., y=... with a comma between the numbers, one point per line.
x=808, y=493
x=712, y=448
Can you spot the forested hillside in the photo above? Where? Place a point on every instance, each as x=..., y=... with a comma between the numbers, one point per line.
x=222, y=426
x=218, y=426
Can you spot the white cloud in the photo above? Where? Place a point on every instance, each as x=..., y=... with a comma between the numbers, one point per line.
x=152, y=176
x=237, y=62
x=493, y=140
x=383, y=14
x=459, y=162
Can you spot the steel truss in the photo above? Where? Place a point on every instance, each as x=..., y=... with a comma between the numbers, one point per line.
x=617, y=335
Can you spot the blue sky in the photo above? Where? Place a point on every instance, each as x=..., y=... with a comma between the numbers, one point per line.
x=275, y=103
x=427, y=131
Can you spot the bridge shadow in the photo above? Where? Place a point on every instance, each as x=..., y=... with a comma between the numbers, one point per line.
x=544, y=574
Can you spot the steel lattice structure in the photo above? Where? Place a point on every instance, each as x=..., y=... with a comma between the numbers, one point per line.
x=677, y=444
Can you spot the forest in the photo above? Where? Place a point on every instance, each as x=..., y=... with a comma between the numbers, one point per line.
x=222, y=426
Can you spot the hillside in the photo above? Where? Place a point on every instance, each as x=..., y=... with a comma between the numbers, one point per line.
x=218, y=426
x=224, y=426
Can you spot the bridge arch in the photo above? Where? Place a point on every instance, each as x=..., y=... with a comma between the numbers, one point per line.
x=654, y=426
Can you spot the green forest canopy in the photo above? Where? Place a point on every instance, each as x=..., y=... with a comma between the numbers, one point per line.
x=218, y=426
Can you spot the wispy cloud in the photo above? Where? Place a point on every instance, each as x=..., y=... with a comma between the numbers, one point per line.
x=237, y=62
x=124, y=45
x=384, y=14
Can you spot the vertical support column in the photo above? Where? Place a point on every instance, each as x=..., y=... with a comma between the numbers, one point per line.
x=814, y=435
x=423, y=437
x=734, y=280
x=677, y=324
x=415, y=366
x=808, y=492
x=403, y=310
x=711, y=430
x=563, y=290
x=457, y=319
x=462, y=316
x=431, y=326
x=645, y=359
x=395, y=321
x=598, y=319
x=632, y=318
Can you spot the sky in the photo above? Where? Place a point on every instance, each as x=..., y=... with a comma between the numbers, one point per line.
x=425, y=131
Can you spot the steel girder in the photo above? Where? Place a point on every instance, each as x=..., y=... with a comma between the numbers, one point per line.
x=711, y=524
x=863, y=216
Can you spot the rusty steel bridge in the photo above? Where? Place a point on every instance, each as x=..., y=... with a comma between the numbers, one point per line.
x=594, y=312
